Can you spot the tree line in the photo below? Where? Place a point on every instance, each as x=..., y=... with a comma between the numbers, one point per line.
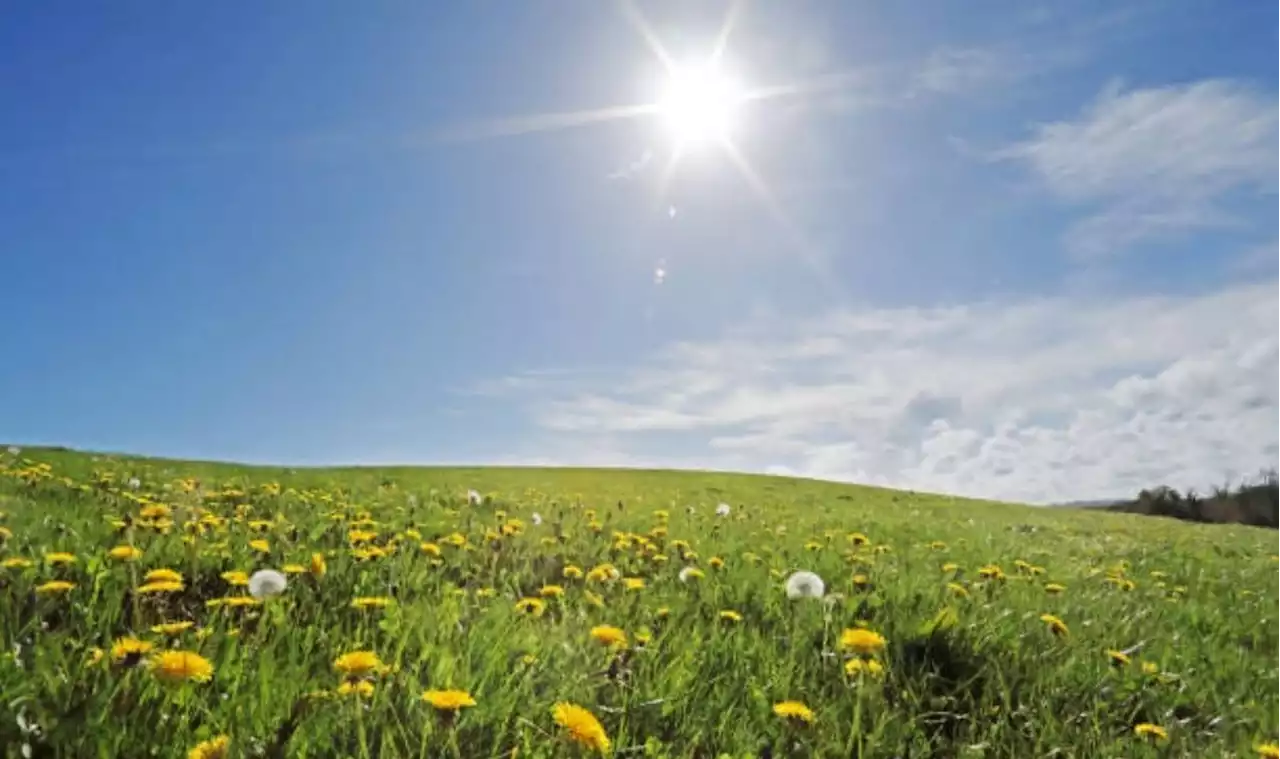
x=1254, y=503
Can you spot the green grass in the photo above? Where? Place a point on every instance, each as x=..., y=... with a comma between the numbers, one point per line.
x=980, y=676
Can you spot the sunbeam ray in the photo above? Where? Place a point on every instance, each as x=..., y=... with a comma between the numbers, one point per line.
x=544, y=122
x=722, y=39
x=811, y=255
x=826, y=83
x=641, y=25
x=668, y=169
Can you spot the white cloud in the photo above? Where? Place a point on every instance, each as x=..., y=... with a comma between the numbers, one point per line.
x=635, y=167
x=1040, y=400
x=1151, y=164
x=957, y=71
x=1258, y=259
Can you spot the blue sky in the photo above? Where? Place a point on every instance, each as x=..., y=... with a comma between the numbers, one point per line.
x=1010, y=249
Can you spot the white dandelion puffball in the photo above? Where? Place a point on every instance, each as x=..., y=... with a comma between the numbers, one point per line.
x=805, y=585
x=536, y=518
x=473, y=497
x=688, y=572
x=134, y=483
x=723, y=510
x=267, y=582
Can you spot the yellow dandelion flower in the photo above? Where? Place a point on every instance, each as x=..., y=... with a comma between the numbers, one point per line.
x=938, y=545
x=571, y=572
x=359, y=688
x=582, y=726
x=60, y=558
x=162, y=575
x=860, y=667
x=1118, y=658
x=172, y=628
x=633, y=583
x=603, y=573
x=371, y=602
x=155, y=511
x=161, y=587
x=180, y=666
x=124, y=553
x=609, y=635
x=691, y=573
x=318, y=566
x=532, y=606
x=715, y=562
x=233, y=602
x=1054, y=588
x=950, y=566
x=1150, y=732
x=236, y=578
x=261, y=546
x=1055, y=625
x=1268, y=750
x=729, y=615
x=860, y=581
x=54, y=587
x=15, y=562
x=862, y=641
x=129, y=650
x=361, y=536
x=551, y=591
x=794, y=711
x=358, y=663
x=448, y=700
x=214, y=748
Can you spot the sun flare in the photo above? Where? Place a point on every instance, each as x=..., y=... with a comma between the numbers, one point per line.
x=700, y=104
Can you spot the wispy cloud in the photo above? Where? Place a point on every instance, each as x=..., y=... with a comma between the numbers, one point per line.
x=1041, y=399
x=635, y=167
x=1152, y=164
x=1259, y=259
x=959, y=71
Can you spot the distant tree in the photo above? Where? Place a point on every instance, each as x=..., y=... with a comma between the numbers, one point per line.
x=1254, y=503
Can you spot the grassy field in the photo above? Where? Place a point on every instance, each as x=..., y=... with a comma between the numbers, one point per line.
x=563, y=588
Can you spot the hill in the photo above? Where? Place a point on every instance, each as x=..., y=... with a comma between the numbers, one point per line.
x=474, y=612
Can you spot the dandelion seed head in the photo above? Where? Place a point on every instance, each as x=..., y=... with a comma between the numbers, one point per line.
x=804, y=584
x=266, y=583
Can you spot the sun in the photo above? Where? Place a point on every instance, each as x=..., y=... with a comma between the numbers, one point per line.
x=700, y=105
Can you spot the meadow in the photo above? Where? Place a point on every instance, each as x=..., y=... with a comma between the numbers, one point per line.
x=424, y=612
